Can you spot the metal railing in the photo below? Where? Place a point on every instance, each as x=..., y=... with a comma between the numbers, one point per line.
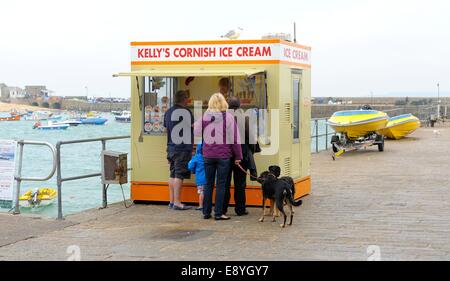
x=56, y=167
x=316, y=136
x=18, y=176
x=60, y=179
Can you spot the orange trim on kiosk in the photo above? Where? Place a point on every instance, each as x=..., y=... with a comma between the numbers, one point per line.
x=158, y=191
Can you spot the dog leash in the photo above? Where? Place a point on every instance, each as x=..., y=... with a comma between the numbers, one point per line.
x=248, y=173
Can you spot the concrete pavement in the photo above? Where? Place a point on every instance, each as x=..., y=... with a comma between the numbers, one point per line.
x=392, y=205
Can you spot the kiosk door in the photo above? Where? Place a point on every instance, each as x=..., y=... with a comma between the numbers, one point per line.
x=296, y=83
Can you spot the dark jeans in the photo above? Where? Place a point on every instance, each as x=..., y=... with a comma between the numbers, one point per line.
x=240, y=183
x=213, y=167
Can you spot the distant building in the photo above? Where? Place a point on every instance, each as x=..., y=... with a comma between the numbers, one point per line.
x=16, y=93
x=4, y=93
x=37, y=91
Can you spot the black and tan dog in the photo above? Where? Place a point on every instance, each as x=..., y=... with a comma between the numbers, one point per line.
x=276, y=171
x=279, y=191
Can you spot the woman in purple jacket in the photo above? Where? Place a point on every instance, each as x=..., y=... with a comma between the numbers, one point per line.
x=220, y=144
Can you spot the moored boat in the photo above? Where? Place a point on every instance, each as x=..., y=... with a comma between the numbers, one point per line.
x=38, y=197
x=55, y=118
x=50, y=126
x=93, y=121
x=125, y=117
x=358, y=123
x=71, y=123
x=400, y=126
x=10, y=118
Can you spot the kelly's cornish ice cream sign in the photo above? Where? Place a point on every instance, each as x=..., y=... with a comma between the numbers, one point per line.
x=239, y=51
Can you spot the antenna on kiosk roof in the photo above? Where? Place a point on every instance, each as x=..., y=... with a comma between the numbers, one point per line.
x=295, y=33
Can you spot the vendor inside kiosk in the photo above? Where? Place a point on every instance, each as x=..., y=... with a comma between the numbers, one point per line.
x=271, y=77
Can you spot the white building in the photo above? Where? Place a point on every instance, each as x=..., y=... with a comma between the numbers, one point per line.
x=16, y=93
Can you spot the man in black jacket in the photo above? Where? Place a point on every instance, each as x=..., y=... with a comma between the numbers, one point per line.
x=247, y=163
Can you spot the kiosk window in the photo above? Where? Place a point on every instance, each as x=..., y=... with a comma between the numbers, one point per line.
x=251, y=90
x=296, y=109
x=156, y=100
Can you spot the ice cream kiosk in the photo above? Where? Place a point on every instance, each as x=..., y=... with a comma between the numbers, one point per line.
x=269, y=75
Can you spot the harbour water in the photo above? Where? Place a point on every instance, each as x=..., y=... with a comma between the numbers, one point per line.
x=78, y=159
x=320, y=128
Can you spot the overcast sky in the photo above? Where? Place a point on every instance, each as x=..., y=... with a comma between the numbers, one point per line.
x=357, y=46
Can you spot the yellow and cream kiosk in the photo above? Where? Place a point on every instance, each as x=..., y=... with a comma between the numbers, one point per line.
x=271, y=75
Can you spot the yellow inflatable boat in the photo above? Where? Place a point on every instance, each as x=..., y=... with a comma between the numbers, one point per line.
x=38, y=197
x=358, y=123
x=400, y=126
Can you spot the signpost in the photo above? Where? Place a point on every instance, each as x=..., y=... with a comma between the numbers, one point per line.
x=8, y=150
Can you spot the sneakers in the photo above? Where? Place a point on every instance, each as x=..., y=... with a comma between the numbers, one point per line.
x=222, y=218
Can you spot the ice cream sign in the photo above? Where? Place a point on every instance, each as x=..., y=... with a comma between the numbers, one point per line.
x=242, y=51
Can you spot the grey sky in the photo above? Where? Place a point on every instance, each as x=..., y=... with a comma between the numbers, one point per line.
x=358, y=46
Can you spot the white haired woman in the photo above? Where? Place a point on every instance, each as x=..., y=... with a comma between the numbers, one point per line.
x=220, y=144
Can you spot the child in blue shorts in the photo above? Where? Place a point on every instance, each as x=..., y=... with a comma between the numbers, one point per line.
x=197, y=167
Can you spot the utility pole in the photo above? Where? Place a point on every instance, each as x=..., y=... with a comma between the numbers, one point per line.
x=438, y=102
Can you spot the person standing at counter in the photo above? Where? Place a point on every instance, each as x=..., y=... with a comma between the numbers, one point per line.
x=224, y=87
x=248, y=163
x=218, y=150
x=179, y=151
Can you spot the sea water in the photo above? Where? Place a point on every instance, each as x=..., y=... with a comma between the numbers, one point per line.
x=76, y=159
x=79, y=159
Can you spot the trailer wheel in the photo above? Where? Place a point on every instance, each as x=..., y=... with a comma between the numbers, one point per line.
x=381, y=144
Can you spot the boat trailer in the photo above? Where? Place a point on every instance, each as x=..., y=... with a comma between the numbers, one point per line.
x=341, y=143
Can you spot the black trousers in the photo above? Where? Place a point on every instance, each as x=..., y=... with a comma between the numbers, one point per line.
x=240, y=183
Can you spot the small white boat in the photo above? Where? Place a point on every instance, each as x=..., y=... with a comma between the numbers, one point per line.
x=116, y=113
x=125, y=117
x=38, y=116
x=50, y=126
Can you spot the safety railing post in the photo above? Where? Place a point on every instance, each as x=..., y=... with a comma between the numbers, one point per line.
x=326, y=135
x=18, y=178
x=104, y=191
x=59, y=179
x=317, y=134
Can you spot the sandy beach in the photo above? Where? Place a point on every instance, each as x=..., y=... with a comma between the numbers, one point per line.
x=7, y=107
